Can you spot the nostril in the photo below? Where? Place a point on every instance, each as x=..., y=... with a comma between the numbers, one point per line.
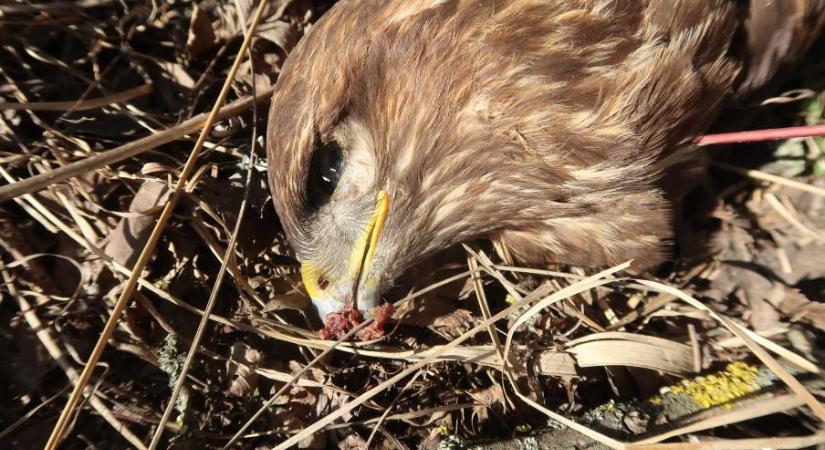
x=323, y=283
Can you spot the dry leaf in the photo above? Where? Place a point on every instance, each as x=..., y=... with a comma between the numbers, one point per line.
x=454, y=323
x=127, y=240
x=244, y=378
x=201, y=35
x=634, y=350
x=489, y=398
x=352, y=442
x=236, y=13
x=799, y=307
x=557, y=363
x=283, y=34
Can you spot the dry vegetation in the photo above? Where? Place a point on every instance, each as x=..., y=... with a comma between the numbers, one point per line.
x=122, y=88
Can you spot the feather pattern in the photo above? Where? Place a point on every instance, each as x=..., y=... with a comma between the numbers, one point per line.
x=553, y=127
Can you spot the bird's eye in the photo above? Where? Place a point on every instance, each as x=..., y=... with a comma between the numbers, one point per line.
x=324, y=173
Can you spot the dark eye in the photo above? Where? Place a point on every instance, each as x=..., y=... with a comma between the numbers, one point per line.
x=324, y=173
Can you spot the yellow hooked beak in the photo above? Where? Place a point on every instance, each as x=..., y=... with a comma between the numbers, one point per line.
x=335, y=295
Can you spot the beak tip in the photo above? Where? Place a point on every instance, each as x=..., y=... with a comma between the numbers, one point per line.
x=334, y=296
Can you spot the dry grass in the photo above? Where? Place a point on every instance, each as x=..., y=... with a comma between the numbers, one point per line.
x=96, y=120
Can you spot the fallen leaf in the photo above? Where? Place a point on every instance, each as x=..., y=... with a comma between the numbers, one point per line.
x=283, y=34
x=455, y=323
x=489, y=398
x=244, y=378
x=634, y=350
x=130, y=234
x=799, y=307
x=352, y=442
x=201, y=34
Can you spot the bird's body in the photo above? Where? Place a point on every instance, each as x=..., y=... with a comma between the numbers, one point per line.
x=557, y=128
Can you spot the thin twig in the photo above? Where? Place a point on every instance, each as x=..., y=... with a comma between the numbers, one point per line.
x=387, y=410
x=771, y=134
x=351, y=347
x=739, y=444
x=801, y=227
x=764, y=176
x=349, y=406
x=26, y=417
x=747, y=336
x=81, y=105
x=766, y=407
x=26, y=8
x=149, y=247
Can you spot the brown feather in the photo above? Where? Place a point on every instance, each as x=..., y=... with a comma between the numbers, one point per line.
x=552, y=127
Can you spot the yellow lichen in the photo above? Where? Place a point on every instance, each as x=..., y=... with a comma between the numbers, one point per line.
x=737, y=380
x=610, y=406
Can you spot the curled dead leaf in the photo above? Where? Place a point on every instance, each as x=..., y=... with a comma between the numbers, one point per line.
x=488, y=398
x=201, y=34
x=799, y=307
x=241, y=369
x=130, y=234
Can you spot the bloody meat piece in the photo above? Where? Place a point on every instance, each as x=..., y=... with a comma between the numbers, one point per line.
x=338, y=324
x=375, y=330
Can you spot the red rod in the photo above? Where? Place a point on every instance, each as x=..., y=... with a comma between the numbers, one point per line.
x=771, y=134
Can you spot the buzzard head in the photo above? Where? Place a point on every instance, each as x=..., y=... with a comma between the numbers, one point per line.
x=378, y=154
x=399, y=128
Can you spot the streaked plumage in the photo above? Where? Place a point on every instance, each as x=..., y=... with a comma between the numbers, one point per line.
x=555, y=127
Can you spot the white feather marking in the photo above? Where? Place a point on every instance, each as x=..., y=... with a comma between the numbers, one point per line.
x=412, y=8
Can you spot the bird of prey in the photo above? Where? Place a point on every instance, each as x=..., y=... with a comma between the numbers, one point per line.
x=558, y=129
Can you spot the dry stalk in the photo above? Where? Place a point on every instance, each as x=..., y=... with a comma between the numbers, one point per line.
x=764, y=176
x=803, y=396
x=740, y=444
x=383, y=417
x=759, y=409
x=54, y=7
x=424, y=412
x=81, y=105
x=788, y=216
x=747, y=337
x=330, y=346
x=580, y=286
x=26, y=417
